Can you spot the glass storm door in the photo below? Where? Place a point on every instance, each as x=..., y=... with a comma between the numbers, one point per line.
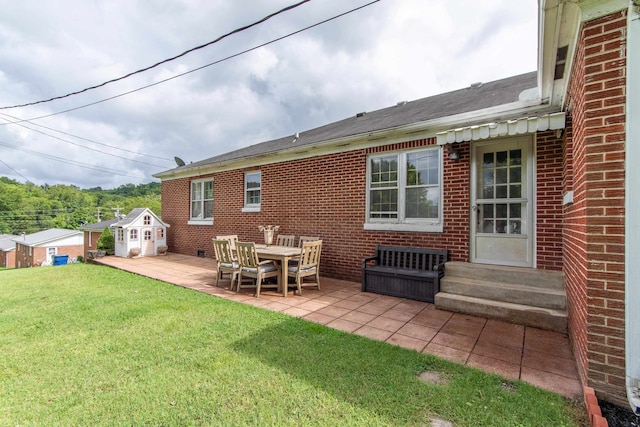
x=502, y=205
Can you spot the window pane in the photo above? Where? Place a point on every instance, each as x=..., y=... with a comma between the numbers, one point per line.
x=515, y=191
x=196, y=190
x=487, y=192
x=487, y=226
x=516, y=157
x=384, y=172
x=421, y=167
x=422, y=203
x=487, y=160
x=487, y=211
x=196, y=212
x=501, y=191
x=515, y=175
x=515, y=210
x=208, y=209
x=501, y=159
x=208, y=190
x=253, y=197
x=501, y=210
x=487, y=176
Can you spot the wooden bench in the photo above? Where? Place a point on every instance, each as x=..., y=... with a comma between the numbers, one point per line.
x=412, y=273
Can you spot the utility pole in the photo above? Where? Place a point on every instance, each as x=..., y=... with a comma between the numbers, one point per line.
x=98, y=214
x=116, y=211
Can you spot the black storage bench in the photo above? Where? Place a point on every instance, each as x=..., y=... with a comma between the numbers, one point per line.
x=405, y=272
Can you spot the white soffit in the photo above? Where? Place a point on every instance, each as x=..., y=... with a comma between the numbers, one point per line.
x=504, y=128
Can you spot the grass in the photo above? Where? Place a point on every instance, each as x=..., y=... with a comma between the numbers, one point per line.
x=89, y=345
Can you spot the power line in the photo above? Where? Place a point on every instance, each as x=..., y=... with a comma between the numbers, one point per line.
x=15, y=171
x=238, y=30
x=72, y=162
x=87, y=148
x=82, y=138
x=195, y=69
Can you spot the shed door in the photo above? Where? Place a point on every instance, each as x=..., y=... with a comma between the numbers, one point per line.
x=147, y=242
x=502, y=205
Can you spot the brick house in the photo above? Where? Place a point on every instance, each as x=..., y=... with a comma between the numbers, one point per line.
x=524, y=174
x=7, y=251
x=37, y=249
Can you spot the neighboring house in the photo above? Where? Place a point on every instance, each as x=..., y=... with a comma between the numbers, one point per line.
x=92, y=233
x=526, y=172
x=7, y=251
x=33, y=250
x=140, y=233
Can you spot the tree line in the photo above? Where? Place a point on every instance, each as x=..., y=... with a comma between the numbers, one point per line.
x=29, y=208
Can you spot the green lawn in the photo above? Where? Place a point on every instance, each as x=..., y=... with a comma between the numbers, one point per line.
x=89, y=345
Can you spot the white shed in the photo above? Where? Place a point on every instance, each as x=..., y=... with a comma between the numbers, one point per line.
x=140, y=233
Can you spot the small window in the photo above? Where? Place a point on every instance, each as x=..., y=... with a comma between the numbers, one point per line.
x=146, y=220
x=147, y=235
x=404, y=191
x=160, y=233
x=133, y=234
x=252, y=191
x=120, y=235
x=202, y=201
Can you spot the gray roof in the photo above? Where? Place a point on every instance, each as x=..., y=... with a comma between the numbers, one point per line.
x=7, y=243
x=45, y=236
x=473, y=98
x=134, y=215
x=99, y=226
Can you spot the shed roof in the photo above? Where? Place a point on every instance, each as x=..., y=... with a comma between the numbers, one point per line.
x=45, y=236
x=132, y=216
x=99, y=226
x=473, y=98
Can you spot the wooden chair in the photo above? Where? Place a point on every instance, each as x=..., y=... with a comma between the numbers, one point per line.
x=286, y=240
x=306, y=239
x=225, y=261
x=232, y=238
x=308, y=265
x=251, y=266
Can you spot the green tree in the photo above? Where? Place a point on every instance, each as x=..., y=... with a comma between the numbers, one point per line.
x=106, y=242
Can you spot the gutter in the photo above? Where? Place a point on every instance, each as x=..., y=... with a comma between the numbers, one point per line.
x=632, y=205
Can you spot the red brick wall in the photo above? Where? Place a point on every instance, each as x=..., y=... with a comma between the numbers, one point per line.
x=39, y=254
x=549, y=220
x=8, y=259
x=326, y=196
x=594, y=236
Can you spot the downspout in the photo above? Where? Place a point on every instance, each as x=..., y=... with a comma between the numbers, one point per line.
x=632, y=207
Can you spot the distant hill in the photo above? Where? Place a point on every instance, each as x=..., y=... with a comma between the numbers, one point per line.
x=28, y=208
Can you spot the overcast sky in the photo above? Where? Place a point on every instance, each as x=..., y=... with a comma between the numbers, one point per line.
x=390, y=51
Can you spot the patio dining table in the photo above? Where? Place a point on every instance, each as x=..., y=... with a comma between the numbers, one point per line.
x=281, y=254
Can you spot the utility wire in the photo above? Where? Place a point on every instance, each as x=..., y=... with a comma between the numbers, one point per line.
x=196, y=69
x=82, y=138
x=15, y=171
x=72, y=162
x=238, y=30
x=88, y=148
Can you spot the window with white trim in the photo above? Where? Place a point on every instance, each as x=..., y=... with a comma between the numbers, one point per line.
x=202, y=200
x=252, y=191
x=120, y=234
x=133, y=234
x=404, y=191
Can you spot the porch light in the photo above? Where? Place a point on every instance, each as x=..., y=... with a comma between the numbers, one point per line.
x=454, y=153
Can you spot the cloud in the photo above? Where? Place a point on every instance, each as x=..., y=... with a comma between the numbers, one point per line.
x=370, y=59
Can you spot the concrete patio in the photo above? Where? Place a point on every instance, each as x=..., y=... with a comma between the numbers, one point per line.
x=537, y=356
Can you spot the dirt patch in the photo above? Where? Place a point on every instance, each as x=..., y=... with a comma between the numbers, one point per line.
x=434, y=377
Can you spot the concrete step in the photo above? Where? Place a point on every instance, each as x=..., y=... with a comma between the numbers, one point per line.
x=543, y=318
x=506, y=292
x=512, y=275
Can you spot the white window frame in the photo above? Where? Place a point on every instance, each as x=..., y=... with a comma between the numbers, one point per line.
x=120, y=234
x=199, y=220
x=133, y=234
x=252, y=207
x=434, y=225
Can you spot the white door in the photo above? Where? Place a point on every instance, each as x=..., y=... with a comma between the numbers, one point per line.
x=502, y=203
x=147, y=242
